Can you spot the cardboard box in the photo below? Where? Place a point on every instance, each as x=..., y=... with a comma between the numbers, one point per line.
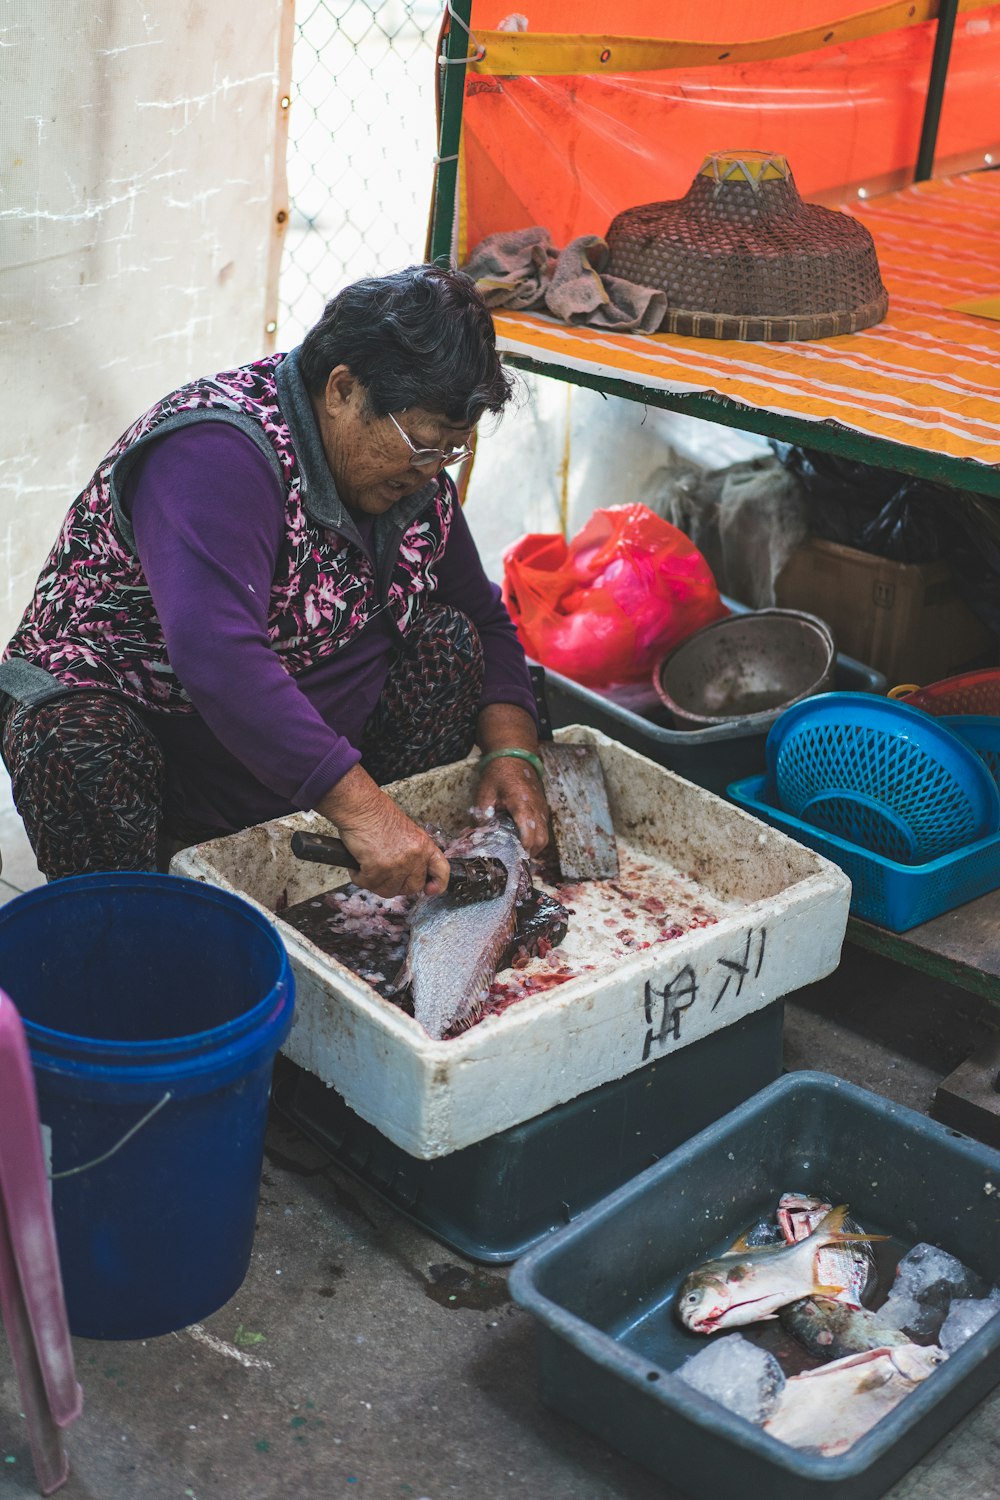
x=907, y=620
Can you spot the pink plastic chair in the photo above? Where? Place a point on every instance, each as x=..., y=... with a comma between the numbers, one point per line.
x=31, y=1291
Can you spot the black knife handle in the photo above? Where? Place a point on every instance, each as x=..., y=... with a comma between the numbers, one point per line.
x=323, y=850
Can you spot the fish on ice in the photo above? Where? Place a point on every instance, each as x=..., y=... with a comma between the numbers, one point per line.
x=830, y=1330
x=833, y=1327
x=747, y=1284
x=852, y=1264
x=827, y=1409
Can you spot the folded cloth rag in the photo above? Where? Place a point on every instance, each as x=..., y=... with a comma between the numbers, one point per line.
x=513, y=269
x=580, y=292
x=522, y=269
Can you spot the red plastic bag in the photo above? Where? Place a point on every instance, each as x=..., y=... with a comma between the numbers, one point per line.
x=607, y=606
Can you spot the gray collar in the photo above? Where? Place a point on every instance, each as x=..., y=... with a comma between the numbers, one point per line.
x=319, y=493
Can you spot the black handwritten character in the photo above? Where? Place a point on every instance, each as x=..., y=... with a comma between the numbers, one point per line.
x=676, y=996
x=740, y=968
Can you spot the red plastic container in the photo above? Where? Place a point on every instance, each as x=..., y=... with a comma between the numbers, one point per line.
x=968, y=693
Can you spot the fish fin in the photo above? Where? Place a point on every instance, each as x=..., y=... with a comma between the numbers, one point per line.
x=469, y=1017
x=833, y=1222
x=827, y=1291
x=830, y=1230
x=740, y=1245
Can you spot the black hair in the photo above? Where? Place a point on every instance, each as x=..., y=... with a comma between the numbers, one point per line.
x=418, y=337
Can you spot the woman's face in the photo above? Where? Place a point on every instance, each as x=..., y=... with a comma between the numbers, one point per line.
x=369, y=460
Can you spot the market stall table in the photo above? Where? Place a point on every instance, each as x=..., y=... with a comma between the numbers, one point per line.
x=960, y=946
x=920, y=393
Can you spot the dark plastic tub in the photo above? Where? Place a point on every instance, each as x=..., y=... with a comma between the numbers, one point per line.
x=602, y=1288
x=711, y=757
x=495, y=1199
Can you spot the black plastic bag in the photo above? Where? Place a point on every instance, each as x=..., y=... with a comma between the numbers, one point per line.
x=904, y=519
x=876, y=510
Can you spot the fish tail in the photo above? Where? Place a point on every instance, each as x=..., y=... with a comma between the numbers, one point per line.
x=829, y=1231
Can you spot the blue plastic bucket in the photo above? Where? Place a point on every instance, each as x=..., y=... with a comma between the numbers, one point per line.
x=153, y=1007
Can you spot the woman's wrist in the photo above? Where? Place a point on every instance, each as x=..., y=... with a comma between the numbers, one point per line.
x=503, y=726
x=516, y=753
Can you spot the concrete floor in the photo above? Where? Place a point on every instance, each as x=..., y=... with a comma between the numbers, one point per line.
x=363, y=1358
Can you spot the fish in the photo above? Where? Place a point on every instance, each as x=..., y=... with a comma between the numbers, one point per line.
x=827, y=1409
x=747, y=1285
x=829, y=1330
x=455, y=950
x=832, y=1328
x=853, y=1264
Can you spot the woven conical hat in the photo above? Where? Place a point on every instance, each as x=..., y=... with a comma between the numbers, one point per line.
x=740, y=256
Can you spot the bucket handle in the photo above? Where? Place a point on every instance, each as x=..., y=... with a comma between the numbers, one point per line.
x=86, y=1166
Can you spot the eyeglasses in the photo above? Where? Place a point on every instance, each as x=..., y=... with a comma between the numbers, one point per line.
x=430, y=458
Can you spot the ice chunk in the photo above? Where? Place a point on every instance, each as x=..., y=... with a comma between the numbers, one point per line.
x=930, y=1274
x=927, y=1280
x=965, y=1317
x=919, y=1320
x=764, y=1232
x=739, y=1375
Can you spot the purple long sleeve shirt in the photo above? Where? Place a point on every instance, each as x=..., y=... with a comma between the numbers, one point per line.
x=262, y=743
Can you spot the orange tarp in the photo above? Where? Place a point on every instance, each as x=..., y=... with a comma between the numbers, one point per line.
x=569, y=151
x=927, y=376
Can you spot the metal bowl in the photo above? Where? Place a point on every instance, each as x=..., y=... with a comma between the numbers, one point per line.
x=747, y=667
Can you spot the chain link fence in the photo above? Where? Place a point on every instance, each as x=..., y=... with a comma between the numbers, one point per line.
x=360, y=149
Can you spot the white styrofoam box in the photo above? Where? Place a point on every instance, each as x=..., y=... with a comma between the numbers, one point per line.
x=782, y=917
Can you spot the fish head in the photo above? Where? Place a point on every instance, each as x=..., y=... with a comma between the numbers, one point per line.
x=798, y=1215
x=720, y=1296
x=916, y=1361
x=702, y=1302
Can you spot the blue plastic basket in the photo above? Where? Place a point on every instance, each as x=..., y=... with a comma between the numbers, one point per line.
x=982, y=732
x=893, y=895
x=880, y=775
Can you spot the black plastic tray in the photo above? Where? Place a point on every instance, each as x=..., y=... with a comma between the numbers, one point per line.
x=493, y=1200
x=711, y=758
x=603, y=1287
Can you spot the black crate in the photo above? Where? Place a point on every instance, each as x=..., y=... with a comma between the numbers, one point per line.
x=712, y=757
x=493, y=1200
x=602, y=1289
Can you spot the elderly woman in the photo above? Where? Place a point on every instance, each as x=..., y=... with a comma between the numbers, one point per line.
x=268, y=599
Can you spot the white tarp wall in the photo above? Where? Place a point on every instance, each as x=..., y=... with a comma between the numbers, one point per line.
x=141, y=214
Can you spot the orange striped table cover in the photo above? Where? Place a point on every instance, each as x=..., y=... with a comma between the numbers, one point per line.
x=928, y=376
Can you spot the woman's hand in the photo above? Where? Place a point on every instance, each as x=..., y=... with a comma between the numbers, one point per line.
x=508, y=783
x=512, y=785
x=397, y=857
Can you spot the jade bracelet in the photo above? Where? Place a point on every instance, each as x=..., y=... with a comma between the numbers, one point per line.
x=529, y=755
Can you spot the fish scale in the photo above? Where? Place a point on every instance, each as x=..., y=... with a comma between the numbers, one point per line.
x=455, y=950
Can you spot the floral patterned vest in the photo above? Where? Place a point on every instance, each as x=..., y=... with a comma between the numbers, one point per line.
x=92, y=624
